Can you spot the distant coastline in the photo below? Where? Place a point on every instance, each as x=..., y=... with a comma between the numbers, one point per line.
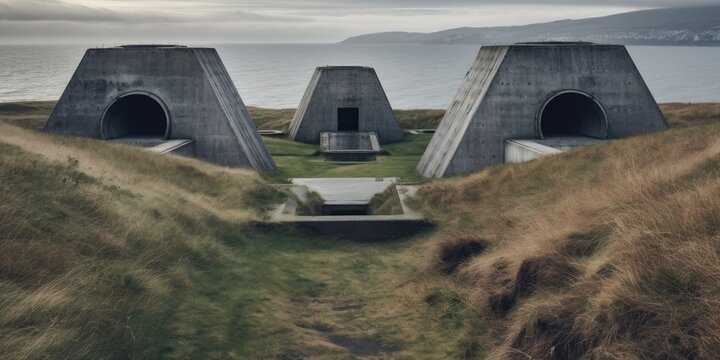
x=696, y=26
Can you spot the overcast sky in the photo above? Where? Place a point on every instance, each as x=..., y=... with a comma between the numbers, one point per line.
x=277, y=21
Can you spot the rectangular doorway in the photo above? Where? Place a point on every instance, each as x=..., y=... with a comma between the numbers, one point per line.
x=348, y=119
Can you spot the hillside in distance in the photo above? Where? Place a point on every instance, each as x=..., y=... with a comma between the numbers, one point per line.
x=673, y=26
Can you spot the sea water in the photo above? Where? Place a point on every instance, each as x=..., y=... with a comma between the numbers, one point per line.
x=414, y=76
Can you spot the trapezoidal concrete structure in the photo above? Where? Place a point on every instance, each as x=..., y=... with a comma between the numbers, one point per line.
x=150, y=94
x=539, y=91
x=344, y=99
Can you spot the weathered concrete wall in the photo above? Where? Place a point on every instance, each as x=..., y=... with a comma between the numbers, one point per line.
x=335, y=87
x=451, y=131
x=191, y=83
x=502, y=95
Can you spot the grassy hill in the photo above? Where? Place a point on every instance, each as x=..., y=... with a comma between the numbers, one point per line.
x=690, y=25
x=112, y=252
x=607, y=252
x=108, y=251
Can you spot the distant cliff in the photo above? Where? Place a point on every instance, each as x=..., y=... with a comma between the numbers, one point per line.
x=675, y=26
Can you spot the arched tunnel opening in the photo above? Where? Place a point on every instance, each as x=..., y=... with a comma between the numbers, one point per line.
x=572, y=114
x=135, y=116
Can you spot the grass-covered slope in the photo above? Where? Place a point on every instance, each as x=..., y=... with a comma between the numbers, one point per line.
x=112, y=252
x=98, y=240
x=607, y=252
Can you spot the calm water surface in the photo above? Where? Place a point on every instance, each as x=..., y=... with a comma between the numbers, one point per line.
x=414, y=76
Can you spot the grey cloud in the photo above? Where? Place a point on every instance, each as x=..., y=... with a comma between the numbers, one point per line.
x=49, y=10
x=270, y=11
x=419, y=4
x=54, y=10
x=250, y=16
x=278, y=20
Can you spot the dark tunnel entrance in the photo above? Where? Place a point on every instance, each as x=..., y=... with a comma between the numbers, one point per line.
x=135, y=116
x=348, y=119
x=573, y=114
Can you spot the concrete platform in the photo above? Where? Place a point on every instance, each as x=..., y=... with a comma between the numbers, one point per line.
x=343, y=192
x=350, y=146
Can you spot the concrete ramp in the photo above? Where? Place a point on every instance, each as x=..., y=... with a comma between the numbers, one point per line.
x=517, y=151
x=176, y=146
x=522, y=150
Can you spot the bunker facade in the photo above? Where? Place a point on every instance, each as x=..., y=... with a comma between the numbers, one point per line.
x=344, y=99
x=542, y=91
x=155, y=95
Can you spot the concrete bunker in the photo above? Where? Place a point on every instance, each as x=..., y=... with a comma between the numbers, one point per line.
x=572, y=113
x=519, y=102
x=344, y=99
x=167, y=98
x=136, y=115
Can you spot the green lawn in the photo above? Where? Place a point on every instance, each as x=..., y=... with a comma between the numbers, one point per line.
x=286, y=295
x=297, y=160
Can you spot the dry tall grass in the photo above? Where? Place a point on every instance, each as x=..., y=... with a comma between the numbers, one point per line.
x=97, y=239
x=608, y=252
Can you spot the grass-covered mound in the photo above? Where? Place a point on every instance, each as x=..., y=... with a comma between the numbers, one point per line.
x=607, y=252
